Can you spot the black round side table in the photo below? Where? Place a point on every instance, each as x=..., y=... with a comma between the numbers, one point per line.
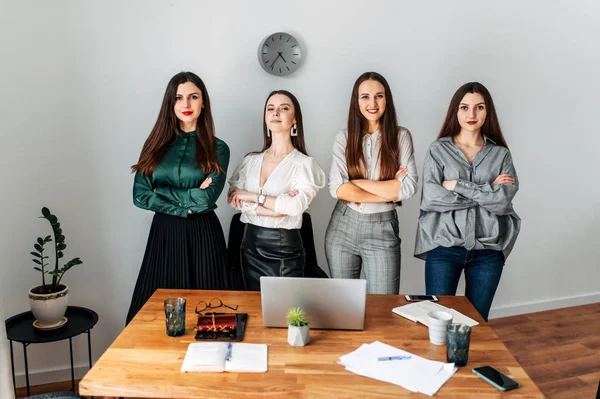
x=19, y=328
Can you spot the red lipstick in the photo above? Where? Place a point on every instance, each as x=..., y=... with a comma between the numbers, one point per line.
x=472, y=122
x=187, y=113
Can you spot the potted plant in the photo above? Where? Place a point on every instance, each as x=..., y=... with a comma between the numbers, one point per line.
x=298, y=334
x=49, y=301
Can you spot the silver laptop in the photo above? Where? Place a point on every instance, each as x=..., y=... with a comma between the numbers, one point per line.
x=330, y=303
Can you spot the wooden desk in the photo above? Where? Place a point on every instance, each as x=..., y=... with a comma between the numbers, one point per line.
x=144, y=362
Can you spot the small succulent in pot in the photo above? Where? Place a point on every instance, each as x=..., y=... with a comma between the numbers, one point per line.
x=298, y=333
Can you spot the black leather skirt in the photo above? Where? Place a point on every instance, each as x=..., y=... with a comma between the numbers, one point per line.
x=270, y=252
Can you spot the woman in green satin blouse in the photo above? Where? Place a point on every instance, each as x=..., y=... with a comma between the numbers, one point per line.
x=180, y=174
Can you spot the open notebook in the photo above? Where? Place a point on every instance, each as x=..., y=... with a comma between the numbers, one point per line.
x=207, y=357
x=418, y=312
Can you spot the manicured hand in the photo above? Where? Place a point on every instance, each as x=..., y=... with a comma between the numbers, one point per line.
x=449, y=184
x=238, y=195
x=504, y=179
x=206, y=183
x=401, y=172
x=293, y=193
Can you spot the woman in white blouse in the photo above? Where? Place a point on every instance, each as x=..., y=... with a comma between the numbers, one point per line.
x=373, y=168
x=273, y=188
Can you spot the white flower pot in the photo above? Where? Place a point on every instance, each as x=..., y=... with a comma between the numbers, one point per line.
x=48, y=309
x=298, y=336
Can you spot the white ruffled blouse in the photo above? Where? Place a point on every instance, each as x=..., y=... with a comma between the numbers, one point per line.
x=295, y=171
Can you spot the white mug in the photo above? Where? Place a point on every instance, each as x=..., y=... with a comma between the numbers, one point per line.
x=438, y=320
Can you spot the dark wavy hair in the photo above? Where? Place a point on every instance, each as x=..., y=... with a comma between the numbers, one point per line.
x=357, y=128
x=491, y=126
x=165, y=131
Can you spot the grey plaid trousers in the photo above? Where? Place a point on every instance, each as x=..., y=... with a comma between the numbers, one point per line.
x=356, y=241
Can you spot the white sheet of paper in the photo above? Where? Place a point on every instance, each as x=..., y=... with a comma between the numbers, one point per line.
x=416, y=374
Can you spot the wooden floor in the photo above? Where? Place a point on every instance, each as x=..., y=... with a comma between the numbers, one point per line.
x=559, y=349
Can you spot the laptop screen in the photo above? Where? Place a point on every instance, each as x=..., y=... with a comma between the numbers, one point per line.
x=329, y=303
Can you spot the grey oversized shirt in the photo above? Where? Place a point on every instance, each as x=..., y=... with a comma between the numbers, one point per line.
x=476, y=214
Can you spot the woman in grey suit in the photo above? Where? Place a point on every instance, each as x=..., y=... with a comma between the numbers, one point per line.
x=373, y=168
x=467, y=220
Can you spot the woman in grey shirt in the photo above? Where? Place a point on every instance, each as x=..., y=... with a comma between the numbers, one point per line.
x=467, y=220
x=373, y=167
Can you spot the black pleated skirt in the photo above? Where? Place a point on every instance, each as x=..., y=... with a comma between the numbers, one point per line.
x=186, y=253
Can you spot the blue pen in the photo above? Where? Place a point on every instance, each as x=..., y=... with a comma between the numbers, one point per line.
x=393, y=358
x=228, y=355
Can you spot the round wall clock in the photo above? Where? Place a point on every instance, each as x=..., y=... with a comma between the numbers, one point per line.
x=279, y=54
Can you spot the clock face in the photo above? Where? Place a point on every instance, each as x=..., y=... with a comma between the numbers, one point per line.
x=279, y=54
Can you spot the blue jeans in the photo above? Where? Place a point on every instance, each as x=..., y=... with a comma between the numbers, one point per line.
x=483, y=268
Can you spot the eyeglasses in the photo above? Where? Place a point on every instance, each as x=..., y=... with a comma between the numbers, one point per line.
x=212, y=304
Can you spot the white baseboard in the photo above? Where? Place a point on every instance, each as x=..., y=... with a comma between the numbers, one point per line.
x=49, y=376
x=539, y=306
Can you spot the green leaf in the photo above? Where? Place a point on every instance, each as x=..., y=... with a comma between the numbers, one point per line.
x=53, y=220
x=60, y=238
x=40, y=241
x=37, y=268
x=296, y=317
x=38, y=247
x=61, y=246
x=60, y=254
x=37, y=261
x=37, y=255
x=48, y=239
x=70, y=264
x=46, y=212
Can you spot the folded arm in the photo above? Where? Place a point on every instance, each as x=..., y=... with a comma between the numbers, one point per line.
x=201, y=198
x=144, y=197
x=340, y=186
x=308, y=179
x=435, y=197
x=496, y=198
x=384, y=189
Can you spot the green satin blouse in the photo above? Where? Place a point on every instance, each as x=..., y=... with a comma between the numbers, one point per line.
x=174, y=185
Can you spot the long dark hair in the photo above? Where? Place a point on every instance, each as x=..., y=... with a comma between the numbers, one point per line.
x=491, y=126
x=165, y=131
x=297, y=141
x=357, y=129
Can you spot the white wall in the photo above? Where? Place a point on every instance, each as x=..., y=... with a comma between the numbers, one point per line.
x=81, y=84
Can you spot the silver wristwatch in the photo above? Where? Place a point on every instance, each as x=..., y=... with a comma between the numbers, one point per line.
x=260, y=200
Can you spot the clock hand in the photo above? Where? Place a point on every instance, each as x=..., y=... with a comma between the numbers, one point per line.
x=282, y=58
x=273, y=63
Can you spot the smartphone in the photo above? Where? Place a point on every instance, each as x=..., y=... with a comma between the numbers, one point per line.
x=496, y=378
x=412, y=298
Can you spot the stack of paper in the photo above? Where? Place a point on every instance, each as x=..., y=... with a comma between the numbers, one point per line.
x=418, y=312
x=416, y=374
